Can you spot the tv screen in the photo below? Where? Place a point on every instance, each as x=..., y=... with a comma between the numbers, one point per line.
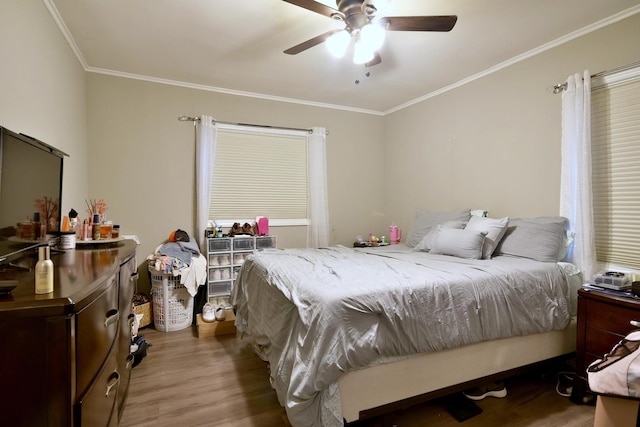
x=30, y=190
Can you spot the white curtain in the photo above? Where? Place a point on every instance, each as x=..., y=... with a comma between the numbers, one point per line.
x=576, y=199
x=318, y=203
x=206, y=134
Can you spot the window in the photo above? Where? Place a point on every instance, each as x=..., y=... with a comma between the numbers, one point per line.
x=615, y=145
x=259, y=172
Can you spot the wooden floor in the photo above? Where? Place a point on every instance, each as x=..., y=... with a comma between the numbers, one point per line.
x=187, y=382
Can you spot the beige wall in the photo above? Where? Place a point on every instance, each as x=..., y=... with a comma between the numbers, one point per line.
x=42, y=89
x=494, y=143
x=147, y=176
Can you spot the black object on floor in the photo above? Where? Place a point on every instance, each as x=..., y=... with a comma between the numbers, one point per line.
x=141, y=351
x=460, y=407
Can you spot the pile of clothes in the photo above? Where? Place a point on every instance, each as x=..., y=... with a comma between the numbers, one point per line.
x=180, y=256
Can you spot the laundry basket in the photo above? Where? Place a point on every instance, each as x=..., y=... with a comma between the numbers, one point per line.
x=172, y=303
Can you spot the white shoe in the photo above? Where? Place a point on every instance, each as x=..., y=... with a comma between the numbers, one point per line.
x=221, y=313
x=488, y=390
x=208, y=313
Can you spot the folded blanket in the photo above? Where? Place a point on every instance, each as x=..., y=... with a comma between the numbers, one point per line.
x=180, y=250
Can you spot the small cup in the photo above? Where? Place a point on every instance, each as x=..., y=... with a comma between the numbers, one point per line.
x=105, y=230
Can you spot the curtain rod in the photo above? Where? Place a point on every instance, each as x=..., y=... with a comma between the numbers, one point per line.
x=559, y=87
x=214, y=121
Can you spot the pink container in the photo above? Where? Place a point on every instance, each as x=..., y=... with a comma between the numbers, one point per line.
x=262, y=225
x=395, y=234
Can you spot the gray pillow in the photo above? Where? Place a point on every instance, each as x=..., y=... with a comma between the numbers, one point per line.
x=458, y=242
x=541, y=238
x=427, y=241
x=495, y=229
x=425, y=220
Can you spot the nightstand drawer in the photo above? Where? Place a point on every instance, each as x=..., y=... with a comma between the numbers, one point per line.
x=603, y=320
x=609, y=317
x=598, y=341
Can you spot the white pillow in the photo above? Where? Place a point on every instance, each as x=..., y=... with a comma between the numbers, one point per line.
x=458, y=242
x=427, y=241
x=495, y=229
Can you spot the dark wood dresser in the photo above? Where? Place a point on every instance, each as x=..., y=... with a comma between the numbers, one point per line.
x=603, y=320
x=64, y=356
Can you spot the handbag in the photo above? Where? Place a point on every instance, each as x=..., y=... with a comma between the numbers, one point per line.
x=618, y=372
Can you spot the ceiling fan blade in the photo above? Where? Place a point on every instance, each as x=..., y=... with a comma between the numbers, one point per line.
x=314, y=6
x=310, y=43
x=375, y=61
x=419, y=23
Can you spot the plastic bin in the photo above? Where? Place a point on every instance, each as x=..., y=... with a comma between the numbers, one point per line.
x=172, y=303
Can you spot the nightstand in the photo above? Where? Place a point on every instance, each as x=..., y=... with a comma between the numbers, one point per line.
x=603, y=320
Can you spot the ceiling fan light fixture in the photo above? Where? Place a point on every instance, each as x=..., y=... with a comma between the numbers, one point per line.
x=362, y=53
x=372, y=35
x=338, y=43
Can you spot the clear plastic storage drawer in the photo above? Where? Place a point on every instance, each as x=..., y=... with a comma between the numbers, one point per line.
x=219, y=288
x=219, y=273
x=264, y=242
x=243, y=243
x=221, y=244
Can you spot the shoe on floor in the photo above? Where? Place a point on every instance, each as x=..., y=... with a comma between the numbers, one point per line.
x=487, y=390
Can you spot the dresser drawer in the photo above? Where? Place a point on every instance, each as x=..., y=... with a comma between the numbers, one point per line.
x=97, y=327
x=609, y=317
x=97, y=405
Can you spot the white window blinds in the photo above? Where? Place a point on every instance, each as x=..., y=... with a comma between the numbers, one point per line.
x=259, y=174
x=615, y=140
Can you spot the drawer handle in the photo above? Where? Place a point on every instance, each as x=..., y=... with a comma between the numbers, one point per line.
x=130, y=360
x=113, y=383
x=635, y=323
x=112, y=317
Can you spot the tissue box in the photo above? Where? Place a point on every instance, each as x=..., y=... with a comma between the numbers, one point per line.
x=210, y=329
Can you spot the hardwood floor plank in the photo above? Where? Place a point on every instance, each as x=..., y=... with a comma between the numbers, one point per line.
x=186, y=381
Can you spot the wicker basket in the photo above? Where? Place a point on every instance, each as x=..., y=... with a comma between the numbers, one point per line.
x=146, y=311
x=172, y=303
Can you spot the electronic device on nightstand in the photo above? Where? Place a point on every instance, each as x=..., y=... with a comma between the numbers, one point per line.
x=613, y=280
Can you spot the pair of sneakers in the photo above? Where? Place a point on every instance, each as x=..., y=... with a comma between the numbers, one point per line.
x=210, y=313
x=493, y=389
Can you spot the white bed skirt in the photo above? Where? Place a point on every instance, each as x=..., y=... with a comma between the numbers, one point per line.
x=391, y=382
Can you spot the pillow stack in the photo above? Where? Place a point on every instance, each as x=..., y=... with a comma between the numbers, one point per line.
x=459, y=234
x=494, y=229
x=425, y=221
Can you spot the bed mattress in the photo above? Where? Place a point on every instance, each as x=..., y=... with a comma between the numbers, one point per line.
x=318, y=313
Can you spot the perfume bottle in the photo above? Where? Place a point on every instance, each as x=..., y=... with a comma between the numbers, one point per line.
x=95, y=227
x=44, y=271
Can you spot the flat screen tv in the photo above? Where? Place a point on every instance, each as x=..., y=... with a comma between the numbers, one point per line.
x=30, y=176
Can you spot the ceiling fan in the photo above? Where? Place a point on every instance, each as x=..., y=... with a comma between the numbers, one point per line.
x=364, y=28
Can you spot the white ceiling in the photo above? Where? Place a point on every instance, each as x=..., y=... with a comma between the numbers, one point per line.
x=237, y=46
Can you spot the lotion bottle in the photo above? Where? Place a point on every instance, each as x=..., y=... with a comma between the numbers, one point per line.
x=44, y=271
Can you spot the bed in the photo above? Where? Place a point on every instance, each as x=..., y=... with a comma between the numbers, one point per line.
x=349, y=330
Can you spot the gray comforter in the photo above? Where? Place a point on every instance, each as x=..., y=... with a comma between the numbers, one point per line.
x=316, y=313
